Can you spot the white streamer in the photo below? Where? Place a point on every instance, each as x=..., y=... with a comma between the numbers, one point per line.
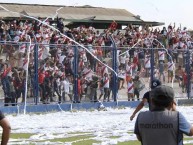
x=130, y=48
x=28, y=52
x=60, y=108
x=54, y=15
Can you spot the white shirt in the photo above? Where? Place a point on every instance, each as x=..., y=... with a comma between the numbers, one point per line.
x=123, y=59
x=87, y=72
x=129, y=69
x=65, y=85
x=161, y=55
x=22, y=48
x=130, y=88
x=58, y=82
x=147, y=62
x=61, y=58
x=175, y=45
x=84, y=57
x=156, y=73
x=104, y=70
x=106, y=82
x=16, y=38
x=170, y=66
x=46, y=52
x=136, y=54
x=121, y=74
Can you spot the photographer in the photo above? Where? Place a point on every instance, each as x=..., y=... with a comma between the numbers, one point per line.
x=164, y=125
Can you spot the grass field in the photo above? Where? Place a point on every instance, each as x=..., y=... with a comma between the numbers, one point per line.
x=77, y=138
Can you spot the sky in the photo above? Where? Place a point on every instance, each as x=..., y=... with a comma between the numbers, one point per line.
x=101, y=125
x=168, y=11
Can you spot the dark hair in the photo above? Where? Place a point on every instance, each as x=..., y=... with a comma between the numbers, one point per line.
x=6, y=64
x=162, y=104
x=162, y=96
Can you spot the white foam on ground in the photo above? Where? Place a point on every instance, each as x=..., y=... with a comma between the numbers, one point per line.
x=101, y=124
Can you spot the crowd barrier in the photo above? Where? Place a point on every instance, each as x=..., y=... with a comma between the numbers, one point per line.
x=12, y=54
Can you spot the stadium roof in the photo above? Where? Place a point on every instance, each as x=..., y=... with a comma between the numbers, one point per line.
x=74, y=14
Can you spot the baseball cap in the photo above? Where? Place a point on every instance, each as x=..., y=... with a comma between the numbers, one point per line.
x=163, y=94
x=155, y=83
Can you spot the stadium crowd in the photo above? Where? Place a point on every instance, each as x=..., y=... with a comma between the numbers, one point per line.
x=56, y=54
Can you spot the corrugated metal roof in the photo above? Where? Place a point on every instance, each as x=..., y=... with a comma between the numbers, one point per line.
x=69, y=12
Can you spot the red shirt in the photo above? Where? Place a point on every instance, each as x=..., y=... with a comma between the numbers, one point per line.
x=185, y=79
x=79, y=87
x=41, y=77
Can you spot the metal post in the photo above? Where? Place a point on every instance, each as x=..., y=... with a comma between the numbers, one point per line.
x=75, y=67
x=152, y=64
x=114, y=65
x=36, y=85
x=188, y=73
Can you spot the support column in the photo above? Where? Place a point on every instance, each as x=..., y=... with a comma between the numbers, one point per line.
x=114, y=66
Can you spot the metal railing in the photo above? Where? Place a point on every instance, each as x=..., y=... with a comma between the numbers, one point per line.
x=185, y=60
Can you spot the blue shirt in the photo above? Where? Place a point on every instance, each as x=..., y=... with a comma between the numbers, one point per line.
x=184, y=127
